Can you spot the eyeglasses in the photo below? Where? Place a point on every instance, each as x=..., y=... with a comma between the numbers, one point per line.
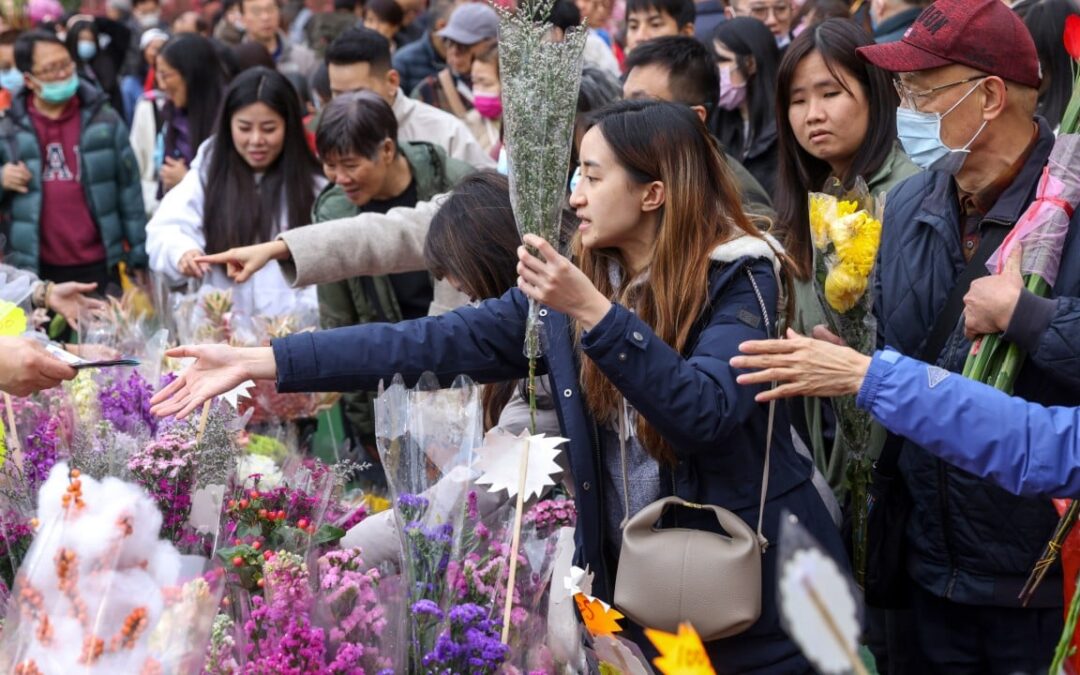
x=909, y=98
x=761, y=12
x=55, y=71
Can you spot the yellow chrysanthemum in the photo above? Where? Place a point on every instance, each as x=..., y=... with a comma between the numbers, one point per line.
x=375, y=504
x=12, y=319
x=843, y=287
x=820, y=206
x=857, y=245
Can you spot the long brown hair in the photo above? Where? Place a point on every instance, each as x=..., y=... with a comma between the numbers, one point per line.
x=473, y=238
x=665, y=142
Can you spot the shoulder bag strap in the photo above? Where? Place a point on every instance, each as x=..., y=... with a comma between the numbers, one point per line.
x=453, y=98
x=946, y=322
x=769, y=427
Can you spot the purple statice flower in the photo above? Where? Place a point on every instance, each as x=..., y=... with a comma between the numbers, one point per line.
x=425, y=608
x=42, y=450
x=551, y=514
x=412, y=506
x=126, y=404
x=470, y=643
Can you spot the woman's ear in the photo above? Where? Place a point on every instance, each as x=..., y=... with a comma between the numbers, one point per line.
x=388, y=150
x=654, y=197
x=750, y=64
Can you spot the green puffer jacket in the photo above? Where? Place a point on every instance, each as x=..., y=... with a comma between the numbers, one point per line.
x=348, y=303
x=111, y=182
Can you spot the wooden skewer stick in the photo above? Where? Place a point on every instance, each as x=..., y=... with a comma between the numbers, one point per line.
x=14, y=446
x=830, y=623
x=515, y=543
x=202, y=421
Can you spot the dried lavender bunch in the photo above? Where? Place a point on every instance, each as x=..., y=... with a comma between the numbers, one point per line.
x=540, y=82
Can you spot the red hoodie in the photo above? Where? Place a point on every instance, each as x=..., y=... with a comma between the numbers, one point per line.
x=68, y=234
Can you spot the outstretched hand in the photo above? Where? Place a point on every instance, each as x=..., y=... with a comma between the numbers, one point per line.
x=554, y=281
x=801, y=366
x=69, y=299
x=217, y=369
x=243, y=262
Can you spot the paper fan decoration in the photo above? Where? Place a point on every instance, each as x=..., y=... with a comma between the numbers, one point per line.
x=233, y=396
x=499, y=462
x=820, y=611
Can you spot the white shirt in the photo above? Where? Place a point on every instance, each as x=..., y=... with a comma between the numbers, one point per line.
x=418, y=121
x=177, y=227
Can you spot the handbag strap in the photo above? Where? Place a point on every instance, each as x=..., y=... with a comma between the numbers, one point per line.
x=770, y=426
x=945, y=323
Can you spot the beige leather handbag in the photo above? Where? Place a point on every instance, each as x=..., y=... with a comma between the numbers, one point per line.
x=667, y=576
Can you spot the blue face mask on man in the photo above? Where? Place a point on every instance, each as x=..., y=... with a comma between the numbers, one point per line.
x=12, y=80
x=920, y=134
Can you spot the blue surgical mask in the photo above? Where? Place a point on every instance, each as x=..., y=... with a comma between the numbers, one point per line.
x=920, y=134
x=59, y=92
x=12, y=80
x=87, y=50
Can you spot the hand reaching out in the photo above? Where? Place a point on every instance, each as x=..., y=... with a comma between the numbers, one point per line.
x=69, y=300
x=217, y=369
x=242, y=262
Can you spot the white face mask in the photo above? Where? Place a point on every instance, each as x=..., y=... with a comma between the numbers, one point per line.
x=150, y=20
x=920, y=134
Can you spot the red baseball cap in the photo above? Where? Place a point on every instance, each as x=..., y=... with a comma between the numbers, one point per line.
x=983, y=34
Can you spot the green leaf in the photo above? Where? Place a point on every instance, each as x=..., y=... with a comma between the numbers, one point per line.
x=327, y=534
x=57, y=327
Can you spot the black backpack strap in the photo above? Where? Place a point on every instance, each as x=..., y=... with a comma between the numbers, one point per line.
x=945, y=323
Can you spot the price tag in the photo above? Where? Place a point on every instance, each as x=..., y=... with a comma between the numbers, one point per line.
x=600, y=619
x=681, y=653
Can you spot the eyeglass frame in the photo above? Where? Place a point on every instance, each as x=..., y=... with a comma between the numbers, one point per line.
x=762, y=13
x=55, y=73
x=907, y=96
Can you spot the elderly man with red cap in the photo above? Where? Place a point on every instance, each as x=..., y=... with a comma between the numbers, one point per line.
x=967, y=75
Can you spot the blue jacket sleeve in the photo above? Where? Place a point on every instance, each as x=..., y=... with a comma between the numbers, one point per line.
x=1028, y=449
x=485, y=343
x=693, y=402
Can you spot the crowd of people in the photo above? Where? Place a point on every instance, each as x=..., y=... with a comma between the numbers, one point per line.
x=353, y=159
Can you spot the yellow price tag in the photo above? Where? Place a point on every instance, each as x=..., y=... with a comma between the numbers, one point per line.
x=12, y=319
x=681, y=653
x=599, y=620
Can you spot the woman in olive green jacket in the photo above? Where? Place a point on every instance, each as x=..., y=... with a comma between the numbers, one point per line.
x=837, y=121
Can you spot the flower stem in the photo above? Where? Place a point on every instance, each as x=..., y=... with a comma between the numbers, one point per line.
x=1064, y=647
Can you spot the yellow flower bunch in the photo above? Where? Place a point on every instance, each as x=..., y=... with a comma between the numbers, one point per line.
x=854, y=236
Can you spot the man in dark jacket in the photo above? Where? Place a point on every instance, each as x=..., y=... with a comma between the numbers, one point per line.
x=892, y=18
x=680, y=69
x=427, y=55
x=70, y=182
x=968, y=76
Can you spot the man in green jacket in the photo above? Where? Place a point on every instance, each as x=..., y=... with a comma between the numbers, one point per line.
x=372, y=172
x=69, y=185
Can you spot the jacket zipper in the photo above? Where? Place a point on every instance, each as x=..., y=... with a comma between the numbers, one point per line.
x=943, y=480
x=600, y=494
